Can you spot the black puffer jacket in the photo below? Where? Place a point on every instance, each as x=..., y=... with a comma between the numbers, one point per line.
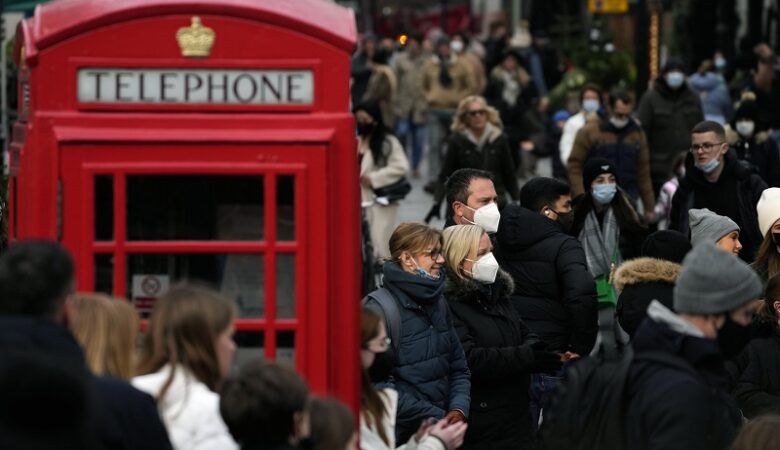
x=555, y=294
x=749, y=188
x=494, y=157
x=681, y=403
x=497, y=346
x=758, y=387
x=639, y=282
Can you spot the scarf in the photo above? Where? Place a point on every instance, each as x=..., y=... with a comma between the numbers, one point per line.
x=600, y=243
x=486, y=133
x=410, y=287
x=511, y=88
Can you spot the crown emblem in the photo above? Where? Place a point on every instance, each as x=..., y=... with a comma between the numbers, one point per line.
x=604, y=167
x=196, y=40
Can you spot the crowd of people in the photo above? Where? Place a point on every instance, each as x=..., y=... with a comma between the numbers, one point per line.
x=654, y=248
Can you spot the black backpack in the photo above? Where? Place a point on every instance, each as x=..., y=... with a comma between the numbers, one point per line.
x=588, y=407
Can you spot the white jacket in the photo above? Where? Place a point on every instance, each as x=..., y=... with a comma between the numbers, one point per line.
x=190, y=411
x=570, y=130
x=369, y=436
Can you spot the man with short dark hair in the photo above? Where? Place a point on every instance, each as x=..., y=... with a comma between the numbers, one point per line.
x=716, y=180
x=555, y=295
x=471, y=200
x=621, y=140
x=36, y=277
x=264, y=406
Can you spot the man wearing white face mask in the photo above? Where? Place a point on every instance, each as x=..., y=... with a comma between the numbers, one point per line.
x=472, y=200
x=667, y=111
x=500, y=350
x=716, y=180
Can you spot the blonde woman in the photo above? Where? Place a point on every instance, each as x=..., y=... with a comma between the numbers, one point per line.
x=478, y=142
x=106, y=328
x=500, y=350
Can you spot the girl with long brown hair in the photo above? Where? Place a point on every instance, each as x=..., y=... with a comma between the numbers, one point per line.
x=187, y=352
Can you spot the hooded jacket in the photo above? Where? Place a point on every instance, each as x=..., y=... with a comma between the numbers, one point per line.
x=497, y=347
x=430, y=373
x=678, y=399
x=758, y=385
x=749, y=187
x=640, y=281
x=555, y=295
x=668, y=116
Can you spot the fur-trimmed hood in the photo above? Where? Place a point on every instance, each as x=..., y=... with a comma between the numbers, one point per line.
x=458, y=289
x=645, y=270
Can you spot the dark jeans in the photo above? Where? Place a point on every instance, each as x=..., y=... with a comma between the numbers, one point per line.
x=542, y=386
x=406, y=129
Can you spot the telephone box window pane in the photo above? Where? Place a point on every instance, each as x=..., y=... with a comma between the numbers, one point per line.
x=104, y=273
x=285, y=347
x=285, y=286
x=285, y=208
x=195, y=207
x=239, y=277
x=104, y=208
x=250, y=346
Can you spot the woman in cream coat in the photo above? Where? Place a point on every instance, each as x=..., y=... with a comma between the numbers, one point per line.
x=382, y=162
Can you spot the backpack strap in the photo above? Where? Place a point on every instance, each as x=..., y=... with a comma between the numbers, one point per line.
x=388, y=308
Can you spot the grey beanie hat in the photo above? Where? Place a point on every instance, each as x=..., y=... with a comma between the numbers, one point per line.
x=713, y=281
x=706, y=226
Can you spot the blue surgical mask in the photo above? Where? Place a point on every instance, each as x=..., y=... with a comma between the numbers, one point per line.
x=675, y=79
x=720, y=63
x=590, y=105
x=604, y=193
x=709, y=166
x=422, y=272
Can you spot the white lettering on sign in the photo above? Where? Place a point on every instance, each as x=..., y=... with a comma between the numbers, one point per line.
x=172, y=86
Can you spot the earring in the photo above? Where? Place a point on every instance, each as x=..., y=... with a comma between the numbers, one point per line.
x=547, y=213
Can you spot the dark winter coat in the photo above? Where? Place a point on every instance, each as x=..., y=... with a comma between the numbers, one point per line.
x=120, y=416
x=494, y=158
x=758, y=387
x=640, y=281
x=555, y=295
x=497, y=346
x=668, y=116
x=749, y=187
x=763, y=156
x=430, y=373
x=682, y=404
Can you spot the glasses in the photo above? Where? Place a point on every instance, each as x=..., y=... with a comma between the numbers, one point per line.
x=705, y=147
x=433, y=254
x=476, y=112
x=383, y=343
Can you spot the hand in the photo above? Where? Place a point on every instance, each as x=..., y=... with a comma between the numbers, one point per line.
x=434, y=212
x=527, y=146
x=569, y=356
x=455, y=416
x=650, y=216
x=544, y=361
x=450, y=435
x=425, y=427
x=365, y=181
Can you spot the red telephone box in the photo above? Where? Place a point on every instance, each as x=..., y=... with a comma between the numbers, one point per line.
x=160, y=140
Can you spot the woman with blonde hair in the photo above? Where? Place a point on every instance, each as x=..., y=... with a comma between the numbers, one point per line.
x=478, y=142
x=500, y=350
x=426, y=365
x=187, y=352
x=106, y=328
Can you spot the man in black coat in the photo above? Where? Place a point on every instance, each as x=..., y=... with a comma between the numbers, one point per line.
x=36, y=277
x=555, y=295
x=677, y=383
x=716, y=180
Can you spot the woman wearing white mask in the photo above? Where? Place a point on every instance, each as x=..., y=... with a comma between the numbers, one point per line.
x=500, y=350
x=605, y=221
x=753, y=144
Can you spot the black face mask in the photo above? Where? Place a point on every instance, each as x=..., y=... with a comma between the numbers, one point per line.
x=306, y=443
x=776, y=238
x=382, y=367
x=566, y=220
x=364, y=129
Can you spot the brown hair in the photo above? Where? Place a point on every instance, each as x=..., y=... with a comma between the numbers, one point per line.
x=412, y=237
x=372, y=408
x=766, y=311
x=767, y=258
x=185, y=324
x=332, y=424
x=106, y=328
x=761, y=433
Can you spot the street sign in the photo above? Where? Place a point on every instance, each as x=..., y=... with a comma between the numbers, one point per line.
x=608, y=6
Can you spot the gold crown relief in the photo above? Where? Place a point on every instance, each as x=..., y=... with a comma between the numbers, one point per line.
x=196, y=40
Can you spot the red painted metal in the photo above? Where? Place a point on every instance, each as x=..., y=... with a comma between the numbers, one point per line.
x=60, y=145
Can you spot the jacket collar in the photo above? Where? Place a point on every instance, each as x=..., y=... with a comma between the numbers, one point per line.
x=661, y=314
x=645, y=270
x=465, y=290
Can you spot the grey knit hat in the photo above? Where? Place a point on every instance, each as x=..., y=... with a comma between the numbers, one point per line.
x=713, y=281
x=706, y=226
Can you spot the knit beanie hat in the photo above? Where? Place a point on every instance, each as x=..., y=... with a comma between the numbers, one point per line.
x=595, y=167
x=768, y=209
x=747, y=110
x=706, y=226
x=669, y=245
x=713, y=282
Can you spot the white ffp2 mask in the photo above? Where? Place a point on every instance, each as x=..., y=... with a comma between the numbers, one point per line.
x=486, y=217
x=484, y=269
